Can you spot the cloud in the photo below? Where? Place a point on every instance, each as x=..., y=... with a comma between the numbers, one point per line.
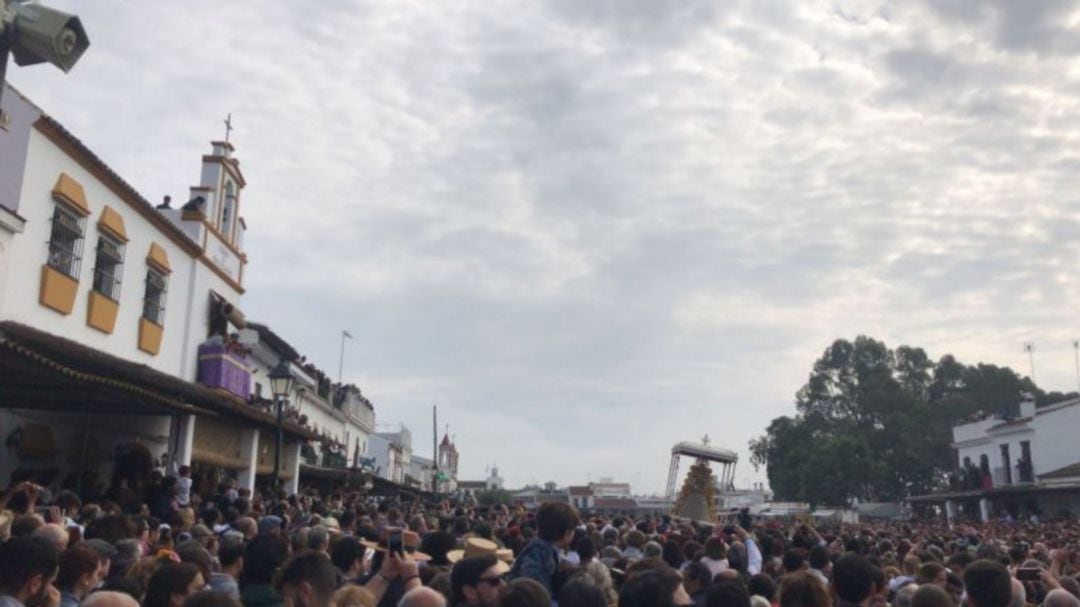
x=587, y=231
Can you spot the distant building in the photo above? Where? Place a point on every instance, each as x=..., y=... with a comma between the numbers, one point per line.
x=606, y=487
x=119, y=339
x=754, y=498
x=448, y=464
x=392, y=452
x=471, y=488
x=494, y=481
x=422, y=472
x=581, y=497
x=1014, y=466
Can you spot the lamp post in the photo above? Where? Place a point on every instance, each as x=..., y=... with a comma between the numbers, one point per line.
x=281, y=380
x=37, y=34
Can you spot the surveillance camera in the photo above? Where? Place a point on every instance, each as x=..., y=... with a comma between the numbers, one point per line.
x=45, y=34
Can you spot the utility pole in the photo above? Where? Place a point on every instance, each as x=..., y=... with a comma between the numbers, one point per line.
x=341, y=359
x=1029, y=347
x=1076, y=350
x=435, y=447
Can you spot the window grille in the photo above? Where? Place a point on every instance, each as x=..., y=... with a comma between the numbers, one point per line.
x=108, y=267
x=154, y=300
x=66, y=241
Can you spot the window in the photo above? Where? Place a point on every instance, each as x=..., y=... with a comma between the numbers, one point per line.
x=227, y=210
x=154, y=299
x=108, y=265
x=1006, y=464
x=66, y=241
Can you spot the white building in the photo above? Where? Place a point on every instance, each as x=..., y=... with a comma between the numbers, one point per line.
x=607, y=487
x=106, y=305
x=422, y=472
x=389, y=459
x=1015, y=466
x=494, y=481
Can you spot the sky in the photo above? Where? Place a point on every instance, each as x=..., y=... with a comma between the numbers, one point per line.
x=587, y=230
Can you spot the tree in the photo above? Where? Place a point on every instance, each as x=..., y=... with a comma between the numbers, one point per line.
x=876, y=424
x=493, y=497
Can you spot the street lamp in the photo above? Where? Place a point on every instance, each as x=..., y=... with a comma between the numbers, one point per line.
x=37, y=34
x=281, y=380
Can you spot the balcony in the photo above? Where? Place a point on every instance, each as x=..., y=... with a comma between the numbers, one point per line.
x=1020, y=475
x=309, y=456
x=224, y=369
x=334, y=460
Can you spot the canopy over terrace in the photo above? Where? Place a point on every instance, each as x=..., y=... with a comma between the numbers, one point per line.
x=44, y=372
x=702, y=451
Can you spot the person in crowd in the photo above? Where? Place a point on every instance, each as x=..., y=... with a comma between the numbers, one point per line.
x=905, y=594
x=171, y=584
x=715, y=555
x=107, y=598
x=78, y=575
x=183, y=487
x=422, y=596
x=697, y=578
x=555, y=524
x=727, y=593
x=803, y=589
x=263, y=556
x=853, y=581
x=351, y=595
x=582, y=592
x=308, y=579
x=651, y=588
x=932, y=572
x=477, y=581
x=54, y=534
x=988, y=584
x=231, y=562
x=933, y=595
x=761, y=585
x=820, y=563
x=28, y=567
x=348, y=556
x=524, y=592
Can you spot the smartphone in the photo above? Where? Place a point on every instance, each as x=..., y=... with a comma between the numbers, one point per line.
x=395, y=542
x=1028, y=574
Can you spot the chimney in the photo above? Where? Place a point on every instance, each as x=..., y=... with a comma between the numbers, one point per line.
x=1027, y=405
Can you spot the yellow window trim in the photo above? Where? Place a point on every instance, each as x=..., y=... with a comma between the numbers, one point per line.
x=159, y=258
x=71, y=192
x=113, y=223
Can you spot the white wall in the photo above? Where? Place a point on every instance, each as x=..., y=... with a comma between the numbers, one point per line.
x=1055, y=446
x=1051, y=434
x=28, y=253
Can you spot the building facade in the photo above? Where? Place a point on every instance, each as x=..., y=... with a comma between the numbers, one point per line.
x=117, y=318
x=1014, y=466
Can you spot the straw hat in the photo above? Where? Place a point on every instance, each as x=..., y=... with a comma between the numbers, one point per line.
x=410, y=539
x=478, y=546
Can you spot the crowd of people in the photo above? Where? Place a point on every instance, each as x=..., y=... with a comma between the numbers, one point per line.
x=345, y=549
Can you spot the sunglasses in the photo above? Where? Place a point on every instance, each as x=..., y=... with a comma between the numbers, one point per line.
x=494, y=582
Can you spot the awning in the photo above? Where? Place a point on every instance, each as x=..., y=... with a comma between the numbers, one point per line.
x=42, y=371
x=323, y=472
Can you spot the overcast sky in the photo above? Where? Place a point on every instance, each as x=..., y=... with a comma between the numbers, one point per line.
x=587, y=230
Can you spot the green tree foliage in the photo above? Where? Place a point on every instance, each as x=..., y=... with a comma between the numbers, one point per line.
x=493, y=497
x=876, y=424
